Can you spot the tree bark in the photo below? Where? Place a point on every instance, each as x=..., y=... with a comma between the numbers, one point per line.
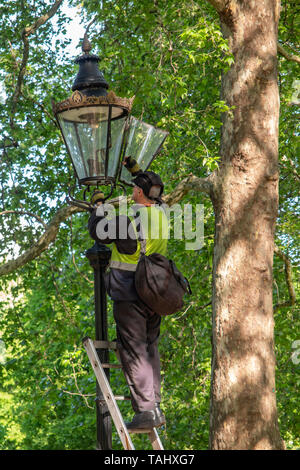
x=245, y=199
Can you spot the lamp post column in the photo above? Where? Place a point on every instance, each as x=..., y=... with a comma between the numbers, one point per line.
x=99, y=256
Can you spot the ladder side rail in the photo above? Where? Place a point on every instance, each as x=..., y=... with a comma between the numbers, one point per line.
x=155, y=440
x=153, y=437
x=107, y=394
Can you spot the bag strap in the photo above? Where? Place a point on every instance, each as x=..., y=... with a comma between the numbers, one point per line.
x=143, y=247
x=188, y=286
x=140, y=238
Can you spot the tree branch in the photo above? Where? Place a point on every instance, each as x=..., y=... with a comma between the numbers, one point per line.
x=43, y=243
x=188, y=184
x=25, y=34
x=192, y=182
x=43, y=19
x=287, y=55
x=289, y=281
x=8, y=143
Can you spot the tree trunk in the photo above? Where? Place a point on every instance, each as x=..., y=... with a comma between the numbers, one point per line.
x=243, y=401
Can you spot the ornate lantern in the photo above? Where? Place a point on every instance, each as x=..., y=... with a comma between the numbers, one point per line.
x=97, y=129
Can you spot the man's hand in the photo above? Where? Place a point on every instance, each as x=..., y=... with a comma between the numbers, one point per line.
x=97, y=198
x=131, y=165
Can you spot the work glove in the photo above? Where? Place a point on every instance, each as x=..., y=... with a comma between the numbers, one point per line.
x=97, y=197
x=131, y=165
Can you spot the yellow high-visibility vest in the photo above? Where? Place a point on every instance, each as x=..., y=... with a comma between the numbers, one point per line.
x=155, y=232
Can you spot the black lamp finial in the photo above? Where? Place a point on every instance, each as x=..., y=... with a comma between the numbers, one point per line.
x=89, y=78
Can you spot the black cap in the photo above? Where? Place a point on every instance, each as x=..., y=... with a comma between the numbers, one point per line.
x=146, y=180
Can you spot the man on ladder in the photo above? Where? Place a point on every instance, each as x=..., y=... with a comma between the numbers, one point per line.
x=138, y=327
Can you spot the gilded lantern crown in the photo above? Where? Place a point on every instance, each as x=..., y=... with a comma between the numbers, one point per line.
x=80, y=99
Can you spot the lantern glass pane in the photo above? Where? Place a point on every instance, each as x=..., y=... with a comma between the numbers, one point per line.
x=117, y=131
x=85, y=133
x=93, y=141
x=69, y=133
x=143, y=144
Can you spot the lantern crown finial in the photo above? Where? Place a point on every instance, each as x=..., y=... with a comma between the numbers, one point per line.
x=86, y=45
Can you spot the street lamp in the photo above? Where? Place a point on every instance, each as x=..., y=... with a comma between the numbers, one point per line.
x=98, y=129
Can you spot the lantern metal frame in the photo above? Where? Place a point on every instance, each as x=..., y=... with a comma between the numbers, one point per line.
x=80, y=100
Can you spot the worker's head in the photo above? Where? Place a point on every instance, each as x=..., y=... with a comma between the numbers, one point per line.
x=148, y=188
x=139, y=196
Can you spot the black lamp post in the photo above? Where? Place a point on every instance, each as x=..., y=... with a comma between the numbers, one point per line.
x=98, y=257
x=97, y=129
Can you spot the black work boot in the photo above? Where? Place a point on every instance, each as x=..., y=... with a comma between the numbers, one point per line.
x=142, y=420
x=160, y=418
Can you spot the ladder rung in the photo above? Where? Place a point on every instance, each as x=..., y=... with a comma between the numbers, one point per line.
x=117, y=397
x=105, y=365
x=139, y=431
x=121, y=397
x=105, y=345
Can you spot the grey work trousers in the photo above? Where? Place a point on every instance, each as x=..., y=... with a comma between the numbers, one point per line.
x=138, y=331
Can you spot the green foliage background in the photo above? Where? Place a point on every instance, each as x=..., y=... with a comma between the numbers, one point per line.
x=171, y=55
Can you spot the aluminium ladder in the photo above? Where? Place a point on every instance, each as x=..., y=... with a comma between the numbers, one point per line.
x=98, y=367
